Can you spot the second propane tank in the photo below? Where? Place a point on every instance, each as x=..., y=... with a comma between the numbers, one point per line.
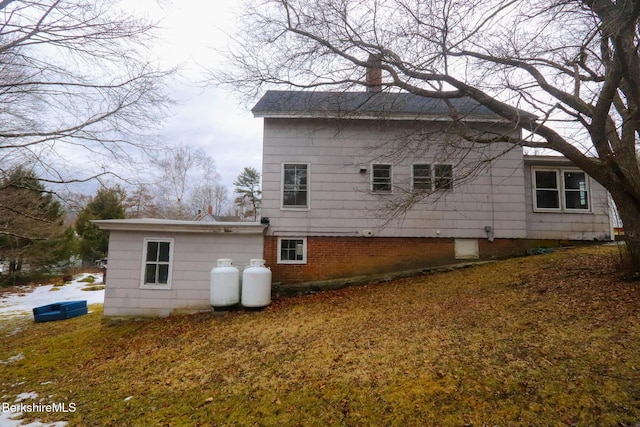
x=256, y=285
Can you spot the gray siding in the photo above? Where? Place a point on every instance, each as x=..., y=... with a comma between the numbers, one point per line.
x=195, y=254
x=592, y=225
x=341, y=203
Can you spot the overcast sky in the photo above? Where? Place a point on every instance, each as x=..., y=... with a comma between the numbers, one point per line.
x=208, y=118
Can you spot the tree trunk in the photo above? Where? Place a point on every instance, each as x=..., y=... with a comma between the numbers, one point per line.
x=15, y=265
x=629, y=211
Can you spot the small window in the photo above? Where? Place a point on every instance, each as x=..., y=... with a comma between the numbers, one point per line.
x=428, y=177
x=292, y=251
x=156, y=270
x=560, y=190
x=381, y=178
x=422, y=177
x=443, y=177
x=295, y=185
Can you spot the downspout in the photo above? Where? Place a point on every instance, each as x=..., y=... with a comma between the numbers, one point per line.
x=490, y=229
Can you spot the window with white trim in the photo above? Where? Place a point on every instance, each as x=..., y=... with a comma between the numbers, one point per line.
x=422, y=179
x=431, y=177
x=560, y=190
x=295, y=185
x=157, y=263
x=292, y=250
x=381, y=178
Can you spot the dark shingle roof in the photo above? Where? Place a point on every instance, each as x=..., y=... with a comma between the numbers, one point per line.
x=277, y=103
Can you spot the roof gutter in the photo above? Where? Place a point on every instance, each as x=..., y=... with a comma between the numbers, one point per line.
x=369, y=116
x=175, y=226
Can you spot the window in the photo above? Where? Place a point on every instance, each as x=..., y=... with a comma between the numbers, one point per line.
x=443, y=177
x=292, y=251
x=381, y=178
x=547, y=190
x=428, y=177
x=295, y=185
x=156, y=270
x=560, y=190
x=422, y=177
x=575, y=190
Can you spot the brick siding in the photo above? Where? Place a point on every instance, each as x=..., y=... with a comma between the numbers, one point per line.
x=341, y=257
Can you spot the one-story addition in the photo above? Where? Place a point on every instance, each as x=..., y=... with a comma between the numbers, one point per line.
x=336, y=167
x=157, y=267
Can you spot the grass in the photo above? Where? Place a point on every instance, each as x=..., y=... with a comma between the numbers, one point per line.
x=93, y=288
x=550, y=340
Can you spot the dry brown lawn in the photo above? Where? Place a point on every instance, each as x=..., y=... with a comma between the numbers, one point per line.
x=549, y=340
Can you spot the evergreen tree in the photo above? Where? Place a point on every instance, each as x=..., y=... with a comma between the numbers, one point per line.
x=32, y=229
x=247, y=187
x=108, y=203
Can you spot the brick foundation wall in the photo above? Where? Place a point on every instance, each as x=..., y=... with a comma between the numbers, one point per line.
x=341, y=257
x=337, y=257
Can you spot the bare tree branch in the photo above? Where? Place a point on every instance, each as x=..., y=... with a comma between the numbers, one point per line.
x=74, y=78
x=543, y=66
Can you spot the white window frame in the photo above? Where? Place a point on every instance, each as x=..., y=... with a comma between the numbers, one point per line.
x=413, y=177
x=295, y=207
x=371, y=188
x=433, y=179
x=146, y=242
x=288, y=261
x=560, y=180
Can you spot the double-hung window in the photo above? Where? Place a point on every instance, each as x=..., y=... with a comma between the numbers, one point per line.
x=381, y=178
x=295, y=185
x=442, y=177
x=576, y=194
x=560, y=190
x=422, y=180
x=158, y=258
x=430, y=177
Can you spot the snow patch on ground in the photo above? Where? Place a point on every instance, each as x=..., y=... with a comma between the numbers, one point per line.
x=24, y=396
x=8, y=414
x=12, y=359
x=22, y=302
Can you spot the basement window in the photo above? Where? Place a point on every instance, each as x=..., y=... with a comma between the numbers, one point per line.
x=157, y=263
x=292, y=251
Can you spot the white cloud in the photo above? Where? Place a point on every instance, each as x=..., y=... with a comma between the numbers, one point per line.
x=205, y=117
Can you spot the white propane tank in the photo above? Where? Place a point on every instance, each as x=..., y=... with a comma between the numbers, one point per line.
x=225, y=284
x=256, y=285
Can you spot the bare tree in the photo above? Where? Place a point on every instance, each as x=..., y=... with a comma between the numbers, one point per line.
x=140, y=202
x=573, y=65
x=184, y=176
x=211, y=194
x=220, y=199
x=76, y=81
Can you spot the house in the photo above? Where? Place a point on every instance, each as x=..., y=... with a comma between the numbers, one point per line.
x=341, y=170
x=358, y=183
